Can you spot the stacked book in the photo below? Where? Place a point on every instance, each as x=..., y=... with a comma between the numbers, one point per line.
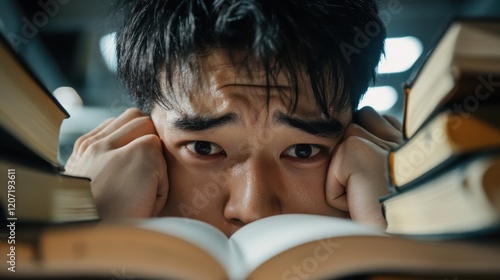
x=34, y=189
x=446, y=176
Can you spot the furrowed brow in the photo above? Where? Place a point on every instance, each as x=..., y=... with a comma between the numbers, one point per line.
x=327, y=128
x=199, y=123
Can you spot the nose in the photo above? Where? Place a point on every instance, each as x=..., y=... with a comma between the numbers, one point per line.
x=253, y=193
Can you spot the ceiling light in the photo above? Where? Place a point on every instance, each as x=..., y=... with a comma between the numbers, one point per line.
x=107, y=45
x=68, y=98
x=400, y=54
x=380, y=98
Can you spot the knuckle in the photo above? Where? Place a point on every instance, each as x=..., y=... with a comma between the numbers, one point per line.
x=396, y=138
x=354, y=143
x=144, y=120
x=366, y=111
x=147, y=147
x=359, y=146
x=391, y=145
x=351, y=147
x=84, y=138
x=146, y=143
x=151, y=140
x=389, y=137
x=105, y=123
x=134, y=112
x=351, y=129
x=84, y=145
x=93, y=147
x=89, y=144
x=79, y=142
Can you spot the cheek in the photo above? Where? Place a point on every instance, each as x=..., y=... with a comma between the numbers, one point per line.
x=305, y=193
x=193, y=192
x=307, y=186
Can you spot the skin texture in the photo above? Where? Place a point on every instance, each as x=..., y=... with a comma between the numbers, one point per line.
x=228, y=156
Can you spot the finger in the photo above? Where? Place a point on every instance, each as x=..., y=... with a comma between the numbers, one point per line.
x=108, y=128
x=335, y=192
x=121, y=120
x=164, y=186
x=364, y=201
x=100, y=127
x=162, y=193
x=354, y=130
x=394, y=122
x=356, y=166
x=130, y=131
x=339, y=172
x=153, y=165
x=378, y=126
x=88, y=135
x=160, y=166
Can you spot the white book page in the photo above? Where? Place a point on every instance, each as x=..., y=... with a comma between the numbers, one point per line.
x=259, y=241
x=201, y=234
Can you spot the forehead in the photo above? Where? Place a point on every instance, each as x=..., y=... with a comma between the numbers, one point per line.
x=223, y=84
x=224, y=70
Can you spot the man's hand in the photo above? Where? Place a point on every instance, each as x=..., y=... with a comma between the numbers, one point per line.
x=357, y=175
x=124, y=159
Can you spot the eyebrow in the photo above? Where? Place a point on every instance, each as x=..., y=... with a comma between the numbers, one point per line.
x=326, y=128
x=199, y=123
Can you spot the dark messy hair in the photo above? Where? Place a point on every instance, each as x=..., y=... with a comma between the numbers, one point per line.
x=338, y=43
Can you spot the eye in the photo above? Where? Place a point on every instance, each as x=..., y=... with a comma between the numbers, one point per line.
x=204, y=148
x=302, y=151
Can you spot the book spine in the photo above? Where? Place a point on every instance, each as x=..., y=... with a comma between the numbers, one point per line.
x=390, y=174
x=406, y=91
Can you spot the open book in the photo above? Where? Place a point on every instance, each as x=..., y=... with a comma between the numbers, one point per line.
x=292, y=246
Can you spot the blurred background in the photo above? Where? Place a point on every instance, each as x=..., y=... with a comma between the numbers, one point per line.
x=69, y=43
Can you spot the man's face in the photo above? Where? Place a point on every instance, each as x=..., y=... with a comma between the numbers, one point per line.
x=234, y=157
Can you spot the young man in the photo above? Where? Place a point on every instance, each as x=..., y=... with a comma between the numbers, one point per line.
x=247, y=111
